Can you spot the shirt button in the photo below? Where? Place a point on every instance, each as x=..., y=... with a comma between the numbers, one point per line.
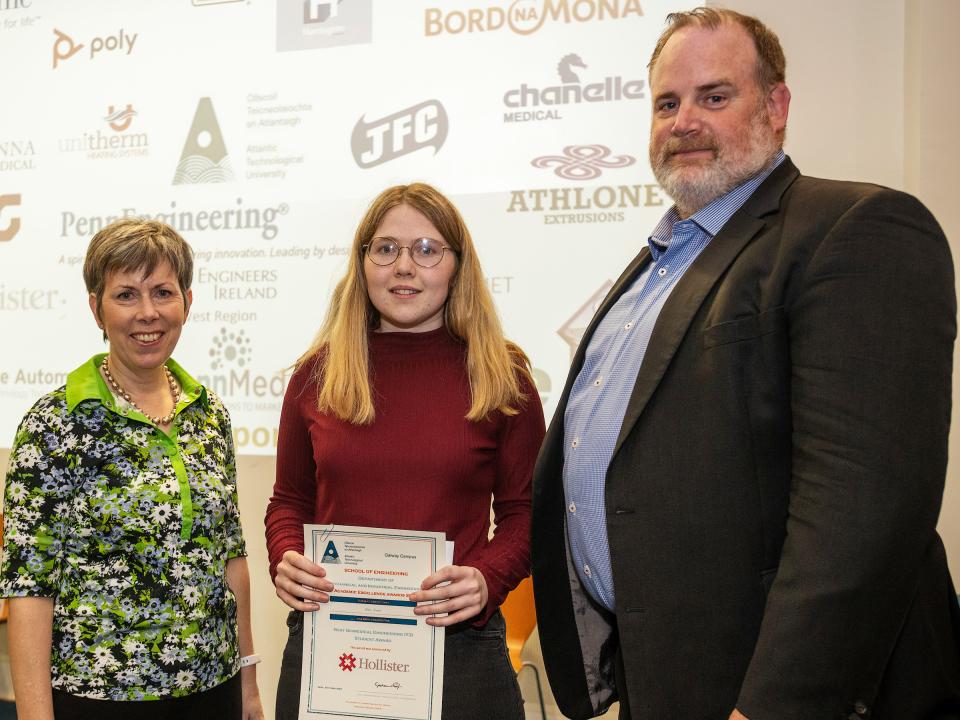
x=628, y=325
x=586, y=570
x=599, y=381
x=574, y=442
x=572, y=507
x=661, y=272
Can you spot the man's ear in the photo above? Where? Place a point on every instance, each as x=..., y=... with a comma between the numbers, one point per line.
x=778, y=106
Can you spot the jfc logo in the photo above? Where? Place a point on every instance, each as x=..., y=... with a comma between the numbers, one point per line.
x=582, y=162
x=204, y=158
x=13, y=227
x=424, y=125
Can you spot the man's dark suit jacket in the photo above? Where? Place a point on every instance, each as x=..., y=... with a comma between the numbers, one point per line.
x=772, y=499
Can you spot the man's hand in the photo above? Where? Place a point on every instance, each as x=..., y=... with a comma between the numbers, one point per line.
x=737, y=715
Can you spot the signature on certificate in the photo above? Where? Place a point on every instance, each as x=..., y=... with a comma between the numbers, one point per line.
x=394, y=685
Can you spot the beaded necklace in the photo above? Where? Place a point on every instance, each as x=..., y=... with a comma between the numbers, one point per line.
x=171, y=381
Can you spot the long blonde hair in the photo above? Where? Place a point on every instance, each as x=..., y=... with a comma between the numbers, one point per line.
x=494, y=365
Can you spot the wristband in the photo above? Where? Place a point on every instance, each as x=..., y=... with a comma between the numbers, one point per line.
x=249, y=660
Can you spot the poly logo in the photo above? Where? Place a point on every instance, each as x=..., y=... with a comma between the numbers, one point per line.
x=582, y=162
x=65, y=47
x=13, y=227
x=204, y=158
x=120, y=120
x=424, y=125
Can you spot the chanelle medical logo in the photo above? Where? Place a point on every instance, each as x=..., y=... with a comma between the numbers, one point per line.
x=525, y=17
x=544, y=103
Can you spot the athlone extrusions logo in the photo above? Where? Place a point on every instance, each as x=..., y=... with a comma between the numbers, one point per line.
x=13, y=227
x=582, y=162
x=424, y=125
x=570, y=92
x=525, y=17
x=348, y=662
x=565, y=205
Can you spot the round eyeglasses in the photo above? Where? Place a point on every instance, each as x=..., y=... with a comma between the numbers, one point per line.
x=425, y=252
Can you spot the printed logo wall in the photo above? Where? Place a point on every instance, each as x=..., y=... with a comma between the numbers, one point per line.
x=264, y=152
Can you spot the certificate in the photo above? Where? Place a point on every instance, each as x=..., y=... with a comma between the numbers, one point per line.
x=365, y=653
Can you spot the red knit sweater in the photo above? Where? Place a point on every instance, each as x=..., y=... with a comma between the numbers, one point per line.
x=419, y=466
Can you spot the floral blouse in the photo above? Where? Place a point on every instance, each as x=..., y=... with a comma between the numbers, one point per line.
x=129, y=530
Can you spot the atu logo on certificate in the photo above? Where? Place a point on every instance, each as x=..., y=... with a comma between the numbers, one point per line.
x=365, y=653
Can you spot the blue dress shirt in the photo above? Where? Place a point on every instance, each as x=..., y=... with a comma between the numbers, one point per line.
x=599, y=397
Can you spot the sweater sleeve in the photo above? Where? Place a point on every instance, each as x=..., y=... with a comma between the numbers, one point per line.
x=294, y=490
x=506, y=559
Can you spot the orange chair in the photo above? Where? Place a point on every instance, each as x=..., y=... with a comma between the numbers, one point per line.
x=520, y=615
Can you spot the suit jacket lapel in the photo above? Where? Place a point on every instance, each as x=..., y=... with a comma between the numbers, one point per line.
x=688, y=295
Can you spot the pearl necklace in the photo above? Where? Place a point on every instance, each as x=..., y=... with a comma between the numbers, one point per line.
x=171, y=381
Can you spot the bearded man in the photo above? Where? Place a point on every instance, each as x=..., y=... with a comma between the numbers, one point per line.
x=735, y=505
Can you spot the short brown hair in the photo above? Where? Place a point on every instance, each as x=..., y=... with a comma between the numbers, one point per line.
x=135, y=244
x=771, y=63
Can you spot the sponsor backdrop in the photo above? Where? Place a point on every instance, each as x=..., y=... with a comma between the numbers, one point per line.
x=261, y=130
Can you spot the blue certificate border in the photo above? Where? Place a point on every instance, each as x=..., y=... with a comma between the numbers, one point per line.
x=327, y=533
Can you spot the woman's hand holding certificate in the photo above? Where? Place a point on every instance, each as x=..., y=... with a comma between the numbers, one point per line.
x=459, y=591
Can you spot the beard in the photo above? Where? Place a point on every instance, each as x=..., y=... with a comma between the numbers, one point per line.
x=695, y=186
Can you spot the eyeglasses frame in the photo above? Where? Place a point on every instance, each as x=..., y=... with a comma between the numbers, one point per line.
x=365, y=251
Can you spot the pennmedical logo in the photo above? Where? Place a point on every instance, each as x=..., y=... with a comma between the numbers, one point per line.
x=401, y=133
x=230, y=347
x=204, y=158
x=316, y=24
x=9, y=232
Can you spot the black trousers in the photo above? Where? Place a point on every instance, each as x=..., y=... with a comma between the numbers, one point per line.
x=223, y=702
x=478, y=679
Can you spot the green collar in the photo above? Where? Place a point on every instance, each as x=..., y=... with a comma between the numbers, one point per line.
x=86, y=383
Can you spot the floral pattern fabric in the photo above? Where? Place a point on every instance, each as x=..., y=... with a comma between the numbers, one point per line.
x=129, y=530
